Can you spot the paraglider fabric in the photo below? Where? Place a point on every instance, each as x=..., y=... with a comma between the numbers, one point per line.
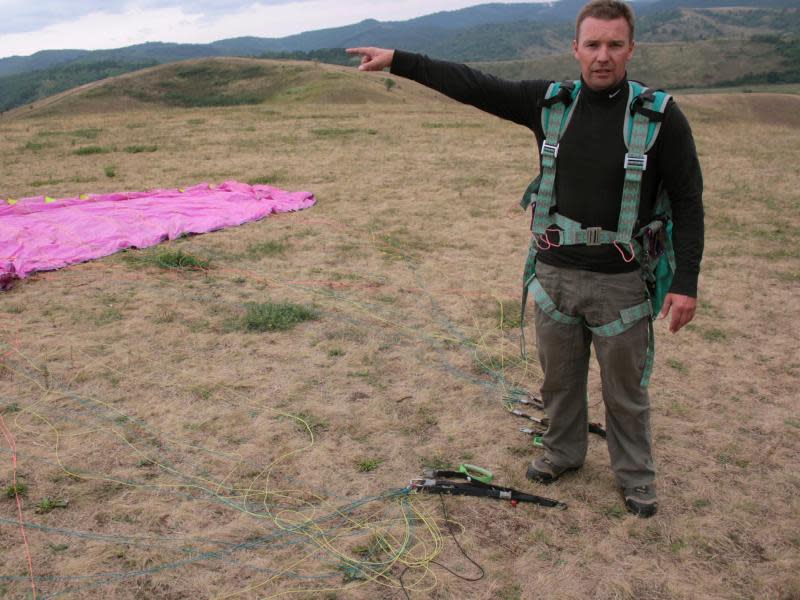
x=42, y=233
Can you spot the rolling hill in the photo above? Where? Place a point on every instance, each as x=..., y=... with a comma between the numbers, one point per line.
x=226, y=81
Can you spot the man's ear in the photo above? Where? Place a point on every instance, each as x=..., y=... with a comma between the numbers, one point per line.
x=575, y=48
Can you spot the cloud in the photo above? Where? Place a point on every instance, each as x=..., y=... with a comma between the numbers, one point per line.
x=22, y=16
x=28, y=26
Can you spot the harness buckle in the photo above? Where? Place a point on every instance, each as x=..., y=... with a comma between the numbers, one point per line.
x=550, y=149
x=637, y=163
x=593, y=236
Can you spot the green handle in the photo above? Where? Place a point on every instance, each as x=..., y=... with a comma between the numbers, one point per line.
x=537, y=441
x=476, y=473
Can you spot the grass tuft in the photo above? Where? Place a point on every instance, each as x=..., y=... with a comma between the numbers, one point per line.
x=48, y=504
x=46, y=182
x=107, y=315
x=340, y=132
x=270, y=179
x=269, y=248
x=456, y=125
x=368, y=464
x=714, y=334
x=678, y=365
x=269, y=316
x=435, y=461
x=507, y=314
x=85, y=150
x=20, y=489
x=87, y=134
x=34, y=146
x=167, y=258
x=138, y=149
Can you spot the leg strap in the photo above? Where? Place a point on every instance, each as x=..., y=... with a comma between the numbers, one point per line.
x=651, y=354
x=546, y=303
x=628, y=318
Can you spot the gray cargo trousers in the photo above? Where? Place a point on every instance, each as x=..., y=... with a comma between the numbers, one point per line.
x=564, y=352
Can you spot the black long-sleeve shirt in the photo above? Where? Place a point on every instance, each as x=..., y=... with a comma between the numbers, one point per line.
x=590, y=173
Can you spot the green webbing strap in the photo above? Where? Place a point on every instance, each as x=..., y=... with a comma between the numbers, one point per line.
x=636, y=163
x=572, y=233
x=627, y=318
x=651, y=355
x=527, y=276
x=530, y=192
x=546, y=194
x=547, y=305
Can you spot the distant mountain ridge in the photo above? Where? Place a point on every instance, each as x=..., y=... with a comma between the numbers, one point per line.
x=367, y=31
x=487, y=32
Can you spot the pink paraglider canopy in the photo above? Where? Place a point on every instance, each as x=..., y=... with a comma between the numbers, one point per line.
x=41, y=233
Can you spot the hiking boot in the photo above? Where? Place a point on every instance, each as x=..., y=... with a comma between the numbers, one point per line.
x=543, y=470
x=641, y=500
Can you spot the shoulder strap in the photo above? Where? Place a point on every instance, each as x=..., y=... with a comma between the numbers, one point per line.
x=649, y=103
x=557, y=107
x=642, y=124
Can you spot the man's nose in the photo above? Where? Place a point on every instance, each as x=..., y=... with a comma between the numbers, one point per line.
x=602, y=53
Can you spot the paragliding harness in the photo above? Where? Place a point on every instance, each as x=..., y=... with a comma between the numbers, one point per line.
x=651, y=246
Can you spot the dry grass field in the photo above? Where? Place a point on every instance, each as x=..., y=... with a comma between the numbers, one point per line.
x=163, y=450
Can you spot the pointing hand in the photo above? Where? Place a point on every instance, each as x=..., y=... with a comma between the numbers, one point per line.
x=373, y=59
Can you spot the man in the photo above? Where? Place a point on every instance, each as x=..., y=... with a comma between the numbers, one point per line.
x=592, y=283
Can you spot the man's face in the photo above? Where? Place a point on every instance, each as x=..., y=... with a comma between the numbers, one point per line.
x=603, y=49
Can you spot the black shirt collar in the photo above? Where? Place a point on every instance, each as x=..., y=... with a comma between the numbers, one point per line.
x=610, y=95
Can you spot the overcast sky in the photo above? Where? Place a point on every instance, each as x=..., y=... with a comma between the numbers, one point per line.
x=27, y=26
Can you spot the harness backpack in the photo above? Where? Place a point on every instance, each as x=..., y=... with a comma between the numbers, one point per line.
x=651, y=246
